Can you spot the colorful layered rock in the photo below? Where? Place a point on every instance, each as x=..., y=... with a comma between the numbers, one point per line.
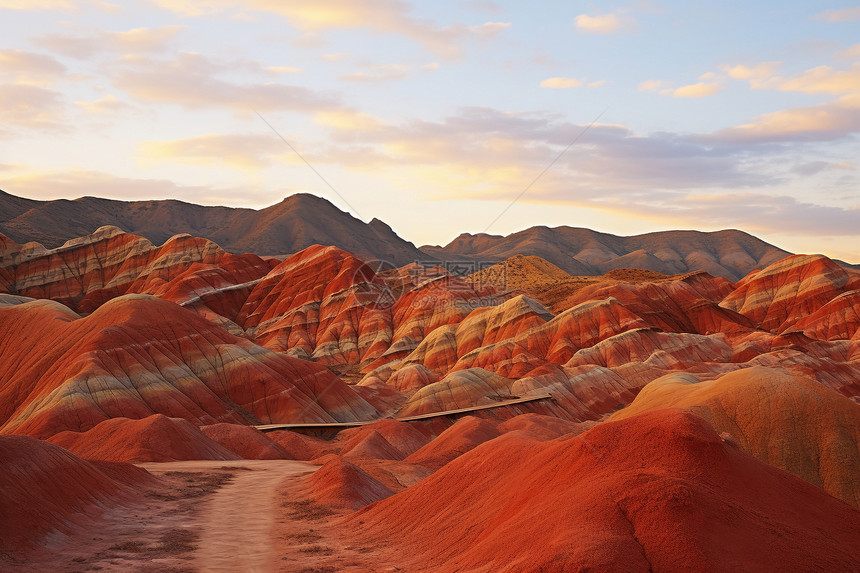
x=86, y=272
x=790, y=290
x=138, y=355
x=787, y=421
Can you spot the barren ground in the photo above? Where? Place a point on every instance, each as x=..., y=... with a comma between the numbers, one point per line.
x=212, y=516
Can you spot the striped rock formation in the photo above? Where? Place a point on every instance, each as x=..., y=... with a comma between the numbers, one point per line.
x=138, y=355
x=86, y=272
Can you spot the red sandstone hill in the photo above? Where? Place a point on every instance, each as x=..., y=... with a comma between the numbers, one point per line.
x=139, y=355
x=656, y=492
x=730, y=253
x=787, y=421
x=426, y=341
x=297, y=222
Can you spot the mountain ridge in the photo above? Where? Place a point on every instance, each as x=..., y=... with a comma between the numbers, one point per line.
x=302, y=220
x=729, y=253
x=297, y=222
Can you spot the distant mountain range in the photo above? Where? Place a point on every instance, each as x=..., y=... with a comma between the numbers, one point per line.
x=295, y=223
x=302, y=220
x=731, y=253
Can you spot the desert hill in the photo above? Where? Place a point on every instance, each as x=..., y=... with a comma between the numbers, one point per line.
x=730, y=253
x=297, y=222
x=120, y=350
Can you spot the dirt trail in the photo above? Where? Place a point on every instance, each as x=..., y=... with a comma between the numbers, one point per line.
x=203, y=516
x=236, y=523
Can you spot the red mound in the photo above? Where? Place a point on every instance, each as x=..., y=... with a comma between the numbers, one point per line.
x=463, y=436
x=153, y=439
x=404, y=437
x=339, y=483
x=301, y=447
x=44, y=488
x=371, y=445
x=245, y=441
x=660, y=492
x=541, y=427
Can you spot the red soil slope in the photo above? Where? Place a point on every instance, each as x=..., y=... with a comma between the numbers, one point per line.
x=791, y=422
x=247, y=442
x=338, y=483
x=660, y=491
x=45, y=489
x=156, y=438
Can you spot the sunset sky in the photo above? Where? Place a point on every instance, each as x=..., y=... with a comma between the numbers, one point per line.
x=435, y=116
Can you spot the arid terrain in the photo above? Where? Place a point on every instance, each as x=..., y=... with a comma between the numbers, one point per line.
x=172, y=406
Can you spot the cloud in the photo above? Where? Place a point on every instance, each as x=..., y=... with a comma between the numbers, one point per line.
x=657, y=86
x=379, y=74
x=30, y=106
x=348, y=120
x=760, y=76
x=489, y=29
x=843, y=15
x=137, y=41
x=21, y=67
x=239, y=151
x=823, y=122
x=824, y=79
x=811, y=168
x=381, y=16
x=698, y=90
x=605, y=23
x=74, y=183
x=278, y=70
x=760, y=213
x=850, y=53
x=560, y=83
x=58, y=5
x=192, y=81
x=107, y=104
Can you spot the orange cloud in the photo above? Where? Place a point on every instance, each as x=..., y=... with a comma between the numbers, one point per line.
x=238, y=151
x=383, y=16
x=698, y=90
x=22, y=67
x=605, y=23
x=824, y=79
x=107, y=104
x=825, y=121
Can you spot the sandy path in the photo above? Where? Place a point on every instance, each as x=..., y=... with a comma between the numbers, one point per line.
x=236, y=523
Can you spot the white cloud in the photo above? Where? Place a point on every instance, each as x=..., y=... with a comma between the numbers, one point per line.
x=560, y=83
x=86, y=45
